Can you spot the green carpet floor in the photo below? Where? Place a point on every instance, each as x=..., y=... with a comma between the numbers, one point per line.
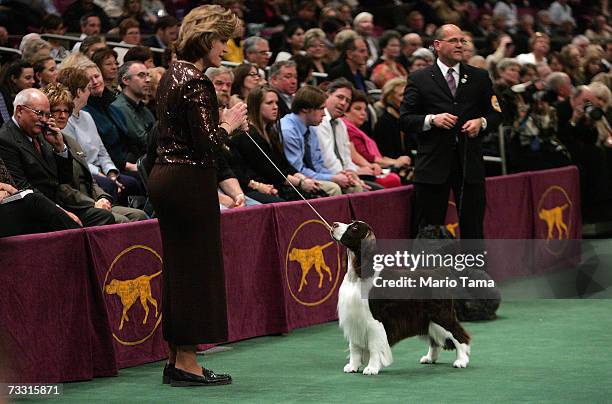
x=541, y=351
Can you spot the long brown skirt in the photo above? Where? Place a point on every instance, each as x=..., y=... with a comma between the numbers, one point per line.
x=194, y=303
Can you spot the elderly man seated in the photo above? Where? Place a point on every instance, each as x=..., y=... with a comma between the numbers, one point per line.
x=37, y=158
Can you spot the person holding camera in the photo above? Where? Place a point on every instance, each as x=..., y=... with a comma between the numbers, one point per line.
x=578, y=116
x=33, y=149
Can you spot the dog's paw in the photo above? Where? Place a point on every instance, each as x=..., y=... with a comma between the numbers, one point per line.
x=349, y=368
x=370, y=370
x=461, y=363
x=426, y=360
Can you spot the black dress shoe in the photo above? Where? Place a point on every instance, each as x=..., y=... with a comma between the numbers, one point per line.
x=168, y=368
x=180, y=378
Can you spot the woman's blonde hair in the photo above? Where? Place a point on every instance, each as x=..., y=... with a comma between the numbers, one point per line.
x=390, y=86
x=201, y=27
x=57, y=93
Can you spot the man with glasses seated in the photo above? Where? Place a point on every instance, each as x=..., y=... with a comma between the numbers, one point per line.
x=35, y=155
x=136, y=84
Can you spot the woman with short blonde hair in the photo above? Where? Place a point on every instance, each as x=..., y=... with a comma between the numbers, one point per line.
x=191, y=139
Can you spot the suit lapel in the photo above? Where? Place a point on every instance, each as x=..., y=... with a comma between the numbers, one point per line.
x=436, y=75
x=26, y=144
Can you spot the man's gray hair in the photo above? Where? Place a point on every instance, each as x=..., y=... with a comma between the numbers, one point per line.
x=25, y=97
x=123, y=71
x=213, y=72
x=506, y=63
x=275, y=69
x=556, y=80
x=424, y=53
x=250, y=43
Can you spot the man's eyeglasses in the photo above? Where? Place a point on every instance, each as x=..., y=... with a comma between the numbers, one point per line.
x=455, y=41
x=40, y=114
x=141, y=75
x=265, y=53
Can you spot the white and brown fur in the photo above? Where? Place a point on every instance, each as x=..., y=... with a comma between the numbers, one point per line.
x=373, y=326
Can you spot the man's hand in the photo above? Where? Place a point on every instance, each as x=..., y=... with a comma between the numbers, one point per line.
x=131, y=166
x=74, y=217
x=239, y=201
x=103, y=203
x=225, y=200
x=310, y=185
x=54, y=136
x=402, y=161
x=341, y=179
x=472, y=127
x=445, y=120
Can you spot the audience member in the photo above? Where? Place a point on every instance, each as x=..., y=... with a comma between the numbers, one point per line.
x=284, y=80
x=388, y=67
x=314, y=44
x=45, y=71
x=141, y=54
x=363, y=24
x=90, y=25
x=82, y=186
x=136, y=84
x=166, y=31
x=300, y=142
x=43, y=164
x=106, y=60
x=392, y=141
x=352, y=63
x=257, y=52
x=264, y=131
x=129, y=32
x=364, y=150
x=14, y=77
x=246, y=78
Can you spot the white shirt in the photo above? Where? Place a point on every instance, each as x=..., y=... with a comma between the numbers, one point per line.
x=525, y=58
x=327, y=144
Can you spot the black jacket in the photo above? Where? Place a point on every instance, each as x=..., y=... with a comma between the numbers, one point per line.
x=427, y=92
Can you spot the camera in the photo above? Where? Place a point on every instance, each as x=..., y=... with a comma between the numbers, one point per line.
x=547, y=96
x=593, y=112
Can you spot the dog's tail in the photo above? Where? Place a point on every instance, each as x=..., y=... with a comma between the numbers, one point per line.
x=154, y=275
x=323, y=247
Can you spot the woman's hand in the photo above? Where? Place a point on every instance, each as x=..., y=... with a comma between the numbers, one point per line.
x=234, y=118
x=402, y=162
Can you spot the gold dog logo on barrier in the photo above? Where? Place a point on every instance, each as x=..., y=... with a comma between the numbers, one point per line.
x=554, y=211
x=132, y=290
x=453, y=226
x=312, y=273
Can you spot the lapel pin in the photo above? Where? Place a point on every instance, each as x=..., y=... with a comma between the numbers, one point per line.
x=464, y=79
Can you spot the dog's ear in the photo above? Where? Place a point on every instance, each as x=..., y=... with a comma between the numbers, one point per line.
x=368, y=249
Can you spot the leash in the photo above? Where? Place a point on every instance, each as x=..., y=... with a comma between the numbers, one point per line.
x=329, y=228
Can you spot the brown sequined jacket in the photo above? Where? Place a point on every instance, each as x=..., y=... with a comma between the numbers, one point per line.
x=188, y=115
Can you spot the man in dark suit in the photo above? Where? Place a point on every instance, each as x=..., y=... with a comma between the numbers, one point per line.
x=166, y=31
x=447, y=111
x=43, y=164
x=352, y=63
x=284, y=79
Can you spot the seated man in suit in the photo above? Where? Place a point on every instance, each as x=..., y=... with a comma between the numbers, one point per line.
x=35, y=213
x=42, y=164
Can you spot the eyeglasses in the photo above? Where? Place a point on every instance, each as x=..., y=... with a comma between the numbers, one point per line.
x=40, y=114
x=61, y=111
x=455, y=41
x=265, y=53
x=254, y=74
x=141, y=75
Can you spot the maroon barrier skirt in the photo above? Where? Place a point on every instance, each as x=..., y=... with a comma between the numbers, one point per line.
x=194, y=302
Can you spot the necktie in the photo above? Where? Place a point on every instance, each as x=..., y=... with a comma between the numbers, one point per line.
x=4, y=112
x=36, y=144
x=333, y=123
x=450, y=80
x=307, y=156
